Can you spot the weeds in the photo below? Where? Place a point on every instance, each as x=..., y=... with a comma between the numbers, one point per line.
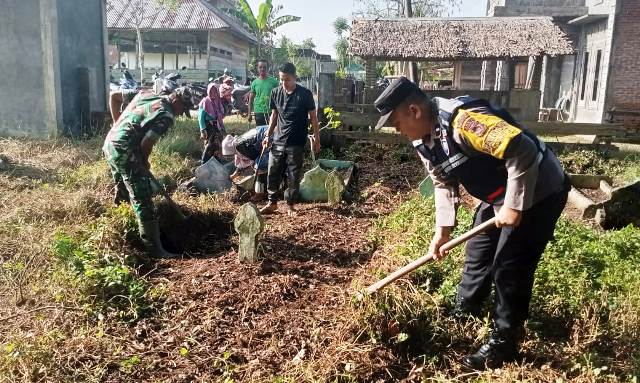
x=95, y=262
x=583, y=161
x=587, y=284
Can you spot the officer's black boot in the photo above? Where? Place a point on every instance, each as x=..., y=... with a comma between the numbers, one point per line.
x=464, y=309
x=501, y=347
x=150, y=235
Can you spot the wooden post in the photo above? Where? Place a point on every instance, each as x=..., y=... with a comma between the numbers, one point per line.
x=412, y=67
x=369, y=80
x=208, y=50
x=193, y=51
x=177, y=53
x=162, y=56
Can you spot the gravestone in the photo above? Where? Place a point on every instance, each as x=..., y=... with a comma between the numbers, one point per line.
x=249, y=225
x=5, y=163
x=335, y=188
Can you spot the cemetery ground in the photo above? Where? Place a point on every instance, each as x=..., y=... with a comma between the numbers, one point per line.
x=79, y=303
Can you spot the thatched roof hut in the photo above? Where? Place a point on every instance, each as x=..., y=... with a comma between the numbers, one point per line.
x=455, y=39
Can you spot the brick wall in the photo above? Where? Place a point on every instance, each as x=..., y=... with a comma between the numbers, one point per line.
x=624, y=78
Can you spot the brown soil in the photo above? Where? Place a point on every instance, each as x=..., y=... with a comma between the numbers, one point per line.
x=596, y=195
x=255, y=319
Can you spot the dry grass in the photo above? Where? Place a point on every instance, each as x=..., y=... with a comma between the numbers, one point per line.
x=51, y=330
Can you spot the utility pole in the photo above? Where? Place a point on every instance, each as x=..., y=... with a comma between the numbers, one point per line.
x=413, y=68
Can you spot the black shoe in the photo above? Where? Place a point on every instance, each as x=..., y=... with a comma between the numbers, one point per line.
x=120, y=195
x=501, y=347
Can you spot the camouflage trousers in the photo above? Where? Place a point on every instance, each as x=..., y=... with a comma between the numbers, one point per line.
x=132, y=181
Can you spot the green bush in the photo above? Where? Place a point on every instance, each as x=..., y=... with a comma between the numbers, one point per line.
x=183, y=138
x=583, y=161
x=582, y=267
x=97, y=264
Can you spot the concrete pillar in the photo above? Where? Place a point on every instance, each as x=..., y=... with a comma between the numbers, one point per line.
x=550, y=81
x=488, y=75
x=326, y=90
x=209, y=51
x=51, y=68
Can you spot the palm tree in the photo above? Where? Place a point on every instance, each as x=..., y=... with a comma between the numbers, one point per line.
x=266, y=23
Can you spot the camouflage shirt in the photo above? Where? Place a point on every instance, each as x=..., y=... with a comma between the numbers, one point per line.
x=148, y=115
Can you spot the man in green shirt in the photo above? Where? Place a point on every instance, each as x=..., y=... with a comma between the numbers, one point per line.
x=260, y=95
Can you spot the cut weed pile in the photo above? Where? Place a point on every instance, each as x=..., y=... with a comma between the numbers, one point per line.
x=80, y=303
x=623, y=167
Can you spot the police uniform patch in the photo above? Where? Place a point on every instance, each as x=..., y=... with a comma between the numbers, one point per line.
x=486, y=133
x=471, y=125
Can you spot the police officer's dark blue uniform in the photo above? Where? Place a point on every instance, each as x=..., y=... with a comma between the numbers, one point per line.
x=470, y=143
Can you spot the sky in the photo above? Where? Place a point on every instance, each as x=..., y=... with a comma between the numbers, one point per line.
x=318, y=16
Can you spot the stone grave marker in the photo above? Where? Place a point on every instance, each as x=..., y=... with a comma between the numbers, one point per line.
x=249, y=224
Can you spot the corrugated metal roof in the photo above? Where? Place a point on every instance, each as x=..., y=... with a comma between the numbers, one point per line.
x=191, y=14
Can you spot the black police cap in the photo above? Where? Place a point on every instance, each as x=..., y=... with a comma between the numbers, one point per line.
x=392, y=96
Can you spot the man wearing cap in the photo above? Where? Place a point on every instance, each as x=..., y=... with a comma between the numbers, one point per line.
x=127, y=148
x=520, y=182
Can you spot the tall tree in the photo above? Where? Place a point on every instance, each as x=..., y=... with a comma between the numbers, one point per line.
x=397, y=8
x=265, y=24
x=141, y=12
x=340, y=27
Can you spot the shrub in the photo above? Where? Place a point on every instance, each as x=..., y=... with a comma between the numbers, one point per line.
x=97, y=263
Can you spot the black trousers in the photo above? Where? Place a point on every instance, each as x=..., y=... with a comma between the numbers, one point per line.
x=281, y=158
x=507, y=258
x=262, y=119
x=213, y=145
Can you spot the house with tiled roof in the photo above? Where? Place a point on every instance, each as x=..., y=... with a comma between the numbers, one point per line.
x=198, y=39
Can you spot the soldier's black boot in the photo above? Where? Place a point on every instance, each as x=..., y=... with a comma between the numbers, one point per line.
x=463, y=310
x=501, y=347
x=120, y=194
x=150, y=235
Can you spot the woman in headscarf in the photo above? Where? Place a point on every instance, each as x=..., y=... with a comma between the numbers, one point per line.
x=210, y=116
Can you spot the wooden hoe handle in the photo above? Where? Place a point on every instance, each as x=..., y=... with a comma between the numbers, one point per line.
x=426, y=258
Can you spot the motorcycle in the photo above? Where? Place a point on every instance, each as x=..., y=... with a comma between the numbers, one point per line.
x=239, y=99
x=165, y=82
x=126, y=82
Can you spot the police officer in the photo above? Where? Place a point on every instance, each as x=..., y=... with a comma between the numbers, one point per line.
x=520, y=182
x=127, y=148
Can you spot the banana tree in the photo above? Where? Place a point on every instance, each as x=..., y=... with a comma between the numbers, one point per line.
x=265, y=23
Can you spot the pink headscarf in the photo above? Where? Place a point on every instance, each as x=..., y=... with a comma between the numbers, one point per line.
x=212, y=103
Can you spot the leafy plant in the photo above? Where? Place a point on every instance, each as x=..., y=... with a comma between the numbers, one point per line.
x=93, y=262
x=333, y=117
x=265, y=23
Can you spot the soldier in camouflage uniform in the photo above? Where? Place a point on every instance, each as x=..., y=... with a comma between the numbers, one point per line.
x=127, y=149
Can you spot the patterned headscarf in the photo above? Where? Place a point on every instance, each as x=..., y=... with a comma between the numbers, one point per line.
x=212, y=103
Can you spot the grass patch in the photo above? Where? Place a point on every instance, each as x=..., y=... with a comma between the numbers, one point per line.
x=585, y=321
x=623, y=167
x=97, y=264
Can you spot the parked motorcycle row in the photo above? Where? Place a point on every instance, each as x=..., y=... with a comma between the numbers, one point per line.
x=234, y=96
